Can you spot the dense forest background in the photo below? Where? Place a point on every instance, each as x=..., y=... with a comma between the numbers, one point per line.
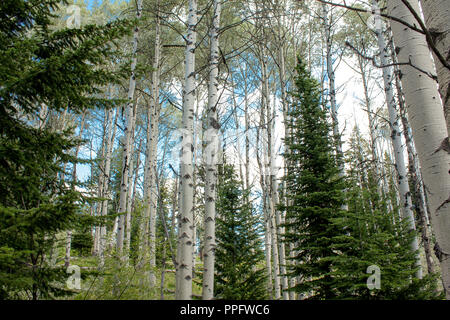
x=207, y=149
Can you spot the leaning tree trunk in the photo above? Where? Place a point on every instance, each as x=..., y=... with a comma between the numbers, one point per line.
x=185, y=235
x=437, y=20
x=210, y=160
x=394, y=119
x=428, y=126
x=127, y=135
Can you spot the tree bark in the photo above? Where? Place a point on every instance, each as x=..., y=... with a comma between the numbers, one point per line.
x=402, y=177
x=437, y=20
x=428, y=127
x=186, y=236
x=210, y=161
x=127, y=135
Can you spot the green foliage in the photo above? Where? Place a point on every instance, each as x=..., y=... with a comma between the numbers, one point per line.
x=314, y=189
x=240, y=273
x=375, y=235
x=57, y=69
x=82, y=242
x=334, y=247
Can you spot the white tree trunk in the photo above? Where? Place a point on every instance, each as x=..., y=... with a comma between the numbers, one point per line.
x=268, y=159
x=185, y=236
x=428, y=127
x=210, y=161
x=437, y=20
x=130, y=189
x=267, y=238
x=394, y=119
x=127, y=136
x=332, y=85
x=153, y=156
x=111, y=133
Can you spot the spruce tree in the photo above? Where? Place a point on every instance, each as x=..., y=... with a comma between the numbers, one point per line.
x=240, y=273
x=57, y=69
x=375, y=235
x=315, y=191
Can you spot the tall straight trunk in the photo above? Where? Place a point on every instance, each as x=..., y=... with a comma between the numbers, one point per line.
x=428, y=126
x=154, y=127
x=186, y=236
x=267, y=238
x=282, y=73
x=111, y=134
x=136, y=176
x=127, y=135
x=394, y=119
x=376, y=157
x=332, y=83
x=211, y=164
x=129, y=183
x=437, y=20
x=418, y=194
x=268, y=158
x=276, y=214
x=100, y=183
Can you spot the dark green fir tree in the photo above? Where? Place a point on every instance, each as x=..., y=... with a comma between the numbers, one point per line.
x=314, y=190
x=56, y=69
x=376, y=246
x=240, y=273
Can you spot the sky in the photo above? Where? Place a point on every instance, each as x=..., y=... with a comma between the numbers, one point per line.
x=348, y=96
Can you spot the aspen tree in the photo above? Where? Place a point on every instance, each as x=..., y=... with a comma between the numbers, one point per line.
x=400, y=166
x=150, y=195
x=428, y=126
x=210, y=161
x=110, y=136
x=185, y=234
x=437, y=20
x=127, y=136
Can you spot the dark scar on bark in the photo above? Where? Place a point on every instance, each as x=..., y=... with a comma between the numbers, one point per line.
x=445, y=146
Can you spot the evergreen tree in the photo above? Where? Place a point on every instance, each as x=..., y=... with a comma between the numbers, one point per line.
x=240, y=273
x=58, y=70
x=375, y=236
x=315, y=191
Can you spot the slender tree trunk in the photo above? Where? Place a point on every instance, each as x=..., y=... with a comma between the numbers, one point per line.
x=186, y=236
x=127, y=135
x=112, y=129
x=154, y=126
x=332, y=85
x=211, y=156
x=130, y=183
x=267, y=240
x=428, y=127
x=402, y=177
